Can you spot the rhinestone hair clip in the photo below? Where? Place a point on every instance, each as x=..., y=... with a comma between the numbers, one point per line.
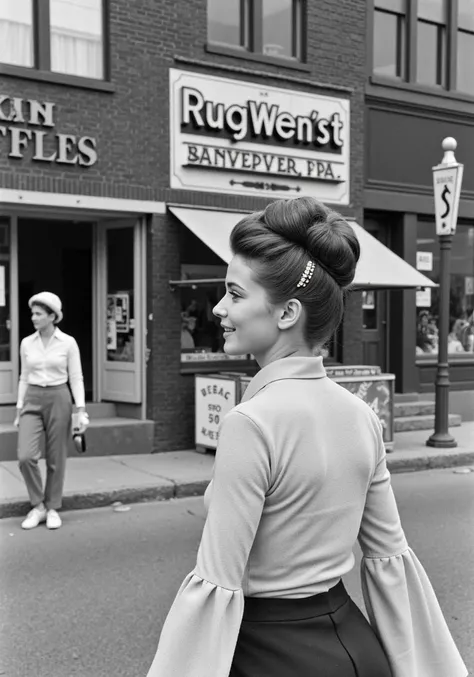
x=307, y=275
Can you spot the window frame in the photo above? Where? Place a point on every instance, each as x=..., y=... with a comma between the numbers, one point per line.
x=449, y=89
x=455, y=57
x=41, y=68
x=401, y=42
x=441, y=54
x=252, y=11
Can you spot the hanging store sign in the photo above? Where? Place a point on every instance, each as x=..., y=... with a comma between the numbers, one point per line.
x=230, y=136
x=27, y=130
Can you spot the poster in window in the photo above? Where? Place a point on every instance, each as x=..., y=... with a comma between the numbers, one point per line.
x=368, y=300
x=3, y=300
x=111, y=335
x=468, y=286
x=424, y=261
x=423, y=298
x=118, y=310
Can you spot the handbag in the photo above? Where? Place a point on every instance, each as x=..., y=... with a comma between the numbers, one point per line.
x=79, y=438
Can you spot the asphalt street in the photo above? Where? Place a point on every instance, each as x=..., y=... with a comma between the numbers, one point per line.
x=89, y=600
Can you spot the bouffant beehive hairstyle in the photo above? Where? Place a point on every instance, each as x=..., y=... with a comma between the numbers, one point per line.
x=279, y=241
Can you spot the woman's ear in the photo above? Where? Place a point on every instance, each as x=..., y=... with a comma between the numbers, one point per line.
x=290, y=313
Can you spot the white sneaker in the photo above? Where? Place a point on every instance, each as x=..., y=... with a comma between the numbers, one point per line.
x=33, y=518
x=53, y=521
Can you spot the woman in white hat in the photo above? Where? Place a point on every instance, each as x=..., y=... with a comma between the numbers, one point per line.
x=50, y=359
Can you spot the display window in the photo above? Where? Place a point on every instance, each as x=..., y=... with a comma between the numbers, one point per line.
x=202, y=339
x=461, y=301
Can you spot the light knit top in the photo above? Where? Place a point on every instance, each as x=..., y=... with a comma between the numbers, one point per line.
x=52, y=365
x=300, y=475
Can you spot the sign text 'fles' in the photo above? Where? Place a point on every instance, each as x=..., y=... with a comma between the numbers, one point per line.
x=41, y=144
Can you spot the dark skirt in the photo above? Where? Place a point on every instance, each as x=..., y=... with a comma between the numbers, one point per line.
x=324, y=635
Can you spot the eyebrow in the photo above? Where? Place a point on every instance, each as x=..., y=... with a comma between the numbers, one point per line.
x=234, y=284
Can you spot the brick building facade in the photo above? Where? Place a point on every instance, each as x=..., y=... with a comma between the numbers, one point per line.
x=126, y=114
x=86, y=194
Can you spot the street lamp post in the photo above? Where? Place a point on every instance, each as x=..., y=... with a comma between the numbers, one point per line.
x=447, y=179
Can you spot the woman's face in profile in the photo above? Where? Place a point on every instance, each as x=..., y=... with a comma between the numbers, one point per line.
x=40, y=318
x=248, y=319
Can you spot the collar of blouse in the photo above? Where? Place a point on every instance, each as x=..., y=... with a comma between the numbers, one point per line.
x=286, y=368
x=57, y=333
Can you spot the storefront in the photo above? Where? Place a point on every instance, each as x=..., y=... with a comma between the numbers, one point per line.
x=91, y=251
x=96, y=267
x=400, y=206
x=118, y=192
x=237, y=137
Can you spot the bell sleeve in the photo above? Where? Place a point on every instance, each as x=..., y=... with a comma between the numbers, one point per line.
x=200, y=633
x=400, y=601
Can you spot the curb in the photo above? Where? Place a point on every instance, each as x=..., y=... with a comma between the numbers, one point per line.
x=166, y=492
x=430, y=461
x=101, y=499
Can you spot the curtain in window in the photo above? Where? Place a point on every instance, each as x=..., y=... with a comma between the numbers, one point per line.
x=76, y=54
x=16, y=45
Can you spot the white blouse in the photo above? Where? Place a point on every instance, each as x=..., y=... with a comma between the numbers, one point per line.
x=300, y=475
x=54, y=364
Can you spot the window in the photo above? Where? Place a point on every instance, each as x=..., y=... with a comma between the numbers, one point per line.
x=390, y=40
x=68, y=36
x=281, y=28
x=76, y=37
x=465, y=51
x=228, y=22
x=461, y=302
x=425, y=42
x=273, y=28
x=431, y=43
x=16, y=32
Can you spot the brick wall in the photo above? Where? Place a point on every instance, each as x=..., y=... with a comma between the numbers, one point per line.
x=130, y=125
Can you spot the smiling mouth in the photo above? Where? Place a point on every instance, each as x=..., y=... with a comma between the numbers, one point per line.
x=227, y=330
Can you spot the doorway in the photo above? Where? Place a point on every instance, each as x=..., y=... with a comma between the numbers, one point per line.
x=374, y=311
x=57, y=256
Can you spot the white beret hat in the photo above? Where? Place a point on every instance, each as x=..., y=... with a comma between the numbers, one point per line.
x=48, y=299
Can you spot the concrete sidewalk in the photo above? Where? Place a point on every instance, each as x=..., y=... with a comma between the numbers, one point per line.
x=100, y=481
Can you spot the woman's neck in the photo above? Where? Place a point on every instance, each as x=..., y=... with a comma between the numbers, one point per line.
x=278, y=353
x=47, y=332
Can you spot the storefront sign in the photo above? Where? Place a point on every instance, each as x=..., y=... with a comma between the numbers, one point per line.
x=424, y=261
x=230, y=136
x=214, y=397
x=20, y=138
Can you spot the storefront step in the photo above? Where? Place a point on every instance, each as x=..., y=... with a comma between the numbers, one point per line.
x=406, y=423
x=94, y=409
x=413, y=408
x=105, y=437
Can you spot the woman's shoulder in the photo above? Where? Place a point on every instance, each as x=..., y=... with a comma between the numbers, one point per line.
x=65, y=337
x=27, y=340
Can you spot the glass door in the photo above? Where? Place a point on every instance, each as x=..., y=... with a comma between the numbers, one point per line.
x=9, y=358
x=374, y=312
x=121, y=285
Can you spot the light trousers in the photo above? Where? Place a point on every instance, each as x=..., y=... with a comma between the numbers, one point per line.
x=45, y=409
